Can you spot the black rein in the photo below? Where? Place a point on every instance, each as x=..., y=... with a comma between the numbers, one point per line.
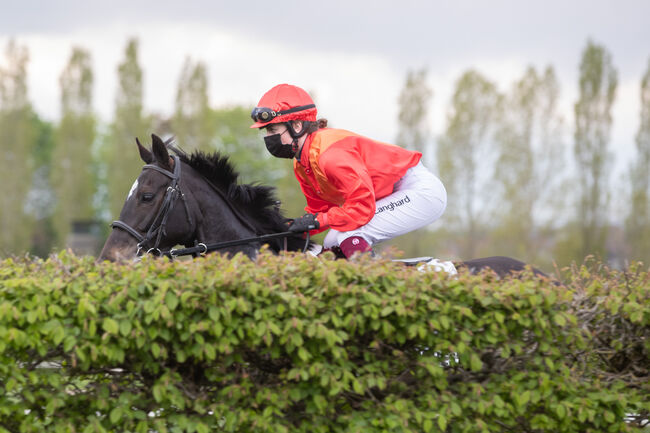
x=202, y=249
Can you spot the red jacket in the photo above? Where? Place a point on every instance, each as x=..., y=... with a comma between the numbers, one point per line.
x=343, y=174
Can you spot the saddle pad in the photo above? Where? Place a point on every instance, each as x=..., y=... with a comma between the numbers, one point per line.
x=414, y=260
x=437, y=265
x=429, y=264
x=424, y=264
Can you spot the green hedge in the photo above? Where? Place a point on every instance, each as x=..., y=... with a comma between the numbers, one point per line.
x=292, y=344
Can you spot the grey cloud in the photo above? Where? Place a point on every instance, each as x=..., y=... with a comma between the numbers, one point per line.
x=408, y=31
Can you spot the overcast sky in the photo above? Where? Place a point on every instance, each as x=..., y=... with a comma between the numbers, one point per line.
x=353, y=55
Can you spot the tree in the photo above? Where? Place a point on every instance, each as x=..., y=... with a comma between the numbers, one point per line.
x=414, y=134
x=16, y=144
x=40, y=198
x=529, y=164
x=192, y=122
x=638, y=221
x=598, y=81
x=123, y=164
x=413, y=122
x=245, y=148
x=73, y=171
x=464, y=158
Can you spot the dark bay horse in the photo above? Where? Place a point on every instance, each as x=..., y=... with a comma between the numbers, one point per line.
x=181, y=199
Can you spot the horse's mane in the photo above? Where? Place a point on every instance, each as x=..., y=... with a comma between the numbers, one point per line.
x=257, y=201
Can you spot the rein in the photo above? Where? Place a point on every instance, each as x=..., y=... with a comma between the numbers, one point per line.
x=157, y=228
x=202, y=249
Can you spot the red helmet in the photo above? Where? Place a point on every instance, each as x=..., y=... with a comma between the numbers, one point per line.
x=283, y=103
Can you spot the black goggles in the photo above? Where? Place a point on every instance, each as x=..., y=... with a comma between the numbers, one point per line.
x=265, y=115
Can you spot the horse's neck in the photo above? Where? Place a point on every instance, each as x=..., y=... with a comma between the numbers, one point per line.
x=218, y=220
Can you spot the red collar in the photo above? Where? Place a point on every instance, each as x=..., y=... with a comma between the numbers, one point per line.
x=303, y=158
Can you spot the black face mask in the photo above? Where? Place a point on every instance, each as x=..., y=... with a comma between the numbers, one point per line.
x=277, y=148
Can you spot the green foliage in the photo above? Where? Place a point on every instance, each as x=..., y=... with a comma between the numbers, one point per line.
x=637, y=225
x=465, y=156
x=413, y=123
x=73, y=174
x=618, y=319
x=120, y=155
x=245, y=147
x=529, y=165
x=598, y=82
x=16, y=144
x=192, y=123
x=292, y=344
x=40, y=203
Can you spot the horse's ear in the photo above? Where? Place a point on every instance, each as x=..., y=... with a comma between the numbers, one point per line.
x=160, y=152
x=145, y=153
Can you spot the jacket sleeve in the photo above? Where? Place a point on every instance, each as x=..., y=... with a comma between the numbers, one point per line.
x=346, y=170
x=315, y=205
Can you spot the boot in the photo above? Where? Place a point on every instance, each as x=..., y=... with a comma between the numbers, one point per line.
x=354, y=244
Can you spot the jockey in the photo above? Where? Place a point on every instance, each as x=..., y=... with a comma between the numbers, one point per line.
x=363, y=190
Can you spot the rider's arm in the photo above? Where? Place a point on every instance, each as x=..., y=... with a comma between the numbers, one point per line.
x=346, y=170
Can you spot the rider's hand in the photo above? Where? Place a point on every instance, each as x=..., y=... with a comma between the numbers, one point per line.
x=304, y=223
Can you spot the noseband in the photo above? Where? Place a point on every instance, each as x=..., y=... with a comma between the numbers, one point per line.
x=157, y=228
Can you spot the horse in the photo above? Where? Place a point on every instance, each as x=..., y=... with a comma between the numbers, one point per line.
x=195, y=200
x=188, y=200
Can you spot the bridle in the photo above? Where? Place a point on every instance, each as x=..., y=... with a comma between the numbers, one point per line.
x=158, y=226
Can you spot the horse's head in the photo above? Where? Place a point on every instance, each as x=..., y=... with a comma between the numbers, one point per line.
x=156, y=214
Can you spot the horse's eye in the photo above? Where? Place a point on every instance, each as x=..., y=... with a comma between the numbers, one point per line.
x=147, y=196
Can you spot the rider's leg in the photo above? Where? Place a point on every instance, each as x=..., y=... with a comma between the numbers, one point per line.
x=418, y=200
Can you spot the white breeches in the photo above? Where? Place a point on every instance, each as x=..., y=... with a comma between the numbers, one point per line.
x=418, y=199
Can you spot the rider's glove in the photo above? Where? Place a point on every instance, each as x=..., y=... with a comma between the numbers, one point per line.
x=304, y=223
